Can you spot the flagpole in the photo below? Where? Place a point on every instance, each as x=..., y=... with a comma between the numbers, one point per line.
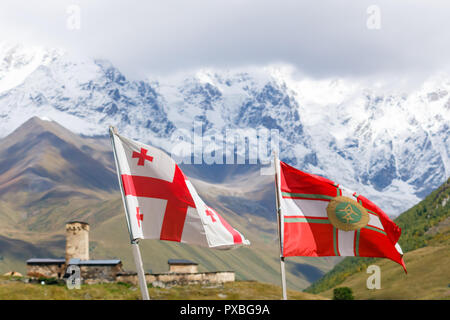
x=134, y=242
x=140, y=270
x=282, y=267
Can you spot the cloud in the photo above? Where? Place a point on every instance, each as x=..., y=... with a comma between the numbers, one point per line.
x=320, y=38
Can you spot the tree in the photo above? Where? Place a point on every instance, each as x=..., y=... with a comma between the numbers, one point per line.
x=343, y=293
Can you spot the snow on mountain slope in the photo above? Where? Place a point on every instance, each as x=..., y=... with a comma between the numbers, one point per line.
x=390, y=145
x=18, y=62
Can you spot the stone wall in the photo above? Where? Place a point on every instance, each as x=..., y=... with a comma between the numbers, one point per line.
x=89, y=274
x=179, y=278
x=113, y=273
x=99, y=274
x=47, y=271
x=180, y=268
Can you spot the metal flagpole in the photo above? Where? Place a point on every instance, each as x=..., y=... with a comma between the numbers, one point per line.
x=134, y=242
x=277, y=186
x=140, y=270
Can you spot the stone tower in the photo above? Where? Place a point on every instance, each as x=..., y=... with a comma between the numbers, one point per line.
x=77, y=240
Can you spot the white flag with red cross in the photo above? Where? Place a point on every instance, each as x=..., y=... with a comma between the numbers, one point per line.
x=161, y=202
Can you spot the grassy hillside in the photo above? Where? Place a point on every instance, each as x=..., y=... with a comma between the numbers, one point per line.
x=16, y=289
x=425, y=224
x=428, y=277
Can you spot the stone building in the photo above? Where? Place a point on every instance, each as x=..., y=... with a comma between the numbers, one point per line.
x=77, y=253
x=182, y=266
x=46, y=267
x=77, y=240
x=181, y=272
x=96, y=271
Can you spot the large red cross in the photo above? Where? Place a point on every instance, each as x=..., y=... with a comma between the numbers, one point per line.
x=176, y=193
x=142, y=156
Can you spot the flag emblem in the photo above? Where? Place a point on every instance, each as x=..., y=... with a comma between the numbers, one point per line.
x=346, y=214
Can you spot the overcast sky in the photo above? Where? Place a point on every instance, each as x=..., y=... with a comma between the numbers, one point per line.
x=320, y=38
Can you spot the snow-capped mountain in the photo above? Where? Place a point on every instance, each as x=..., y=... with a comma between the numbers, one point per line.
x=390, y=145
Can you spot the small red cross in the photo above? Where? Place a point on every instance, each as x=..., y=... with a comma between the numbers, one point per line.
x=209, y=213
x=139, y=216
x=142, y=156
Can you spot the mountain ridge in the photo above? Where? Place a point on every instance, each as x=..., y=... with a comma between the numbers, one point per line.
x=392, y=146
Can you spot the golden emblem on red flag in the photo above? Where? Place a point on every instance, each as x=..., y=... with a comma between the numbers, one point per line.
x=346, y=214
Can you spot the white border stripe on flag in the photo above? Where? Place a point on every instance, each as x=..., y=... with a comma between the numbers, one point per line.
x=302, y=207
x=346, y=242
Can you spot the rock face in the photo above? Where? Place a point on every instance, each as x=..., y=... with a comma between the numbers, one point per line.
x=390, y=145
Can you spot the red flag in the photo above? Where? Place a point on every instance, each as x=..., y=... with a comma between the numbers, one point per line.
x=322, y=218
